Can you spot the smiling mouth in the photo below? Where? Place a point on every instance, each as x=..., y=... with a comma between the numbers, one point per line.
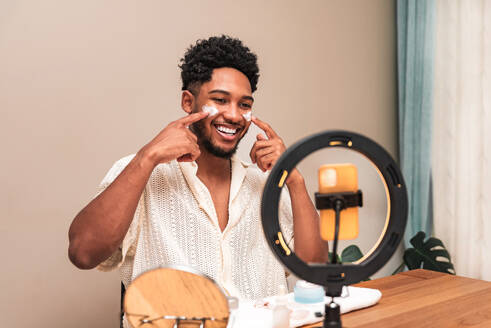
x=227, y=131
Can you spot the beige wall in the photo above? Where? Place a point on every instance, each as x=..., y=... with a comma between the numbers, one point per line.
x=83, y=83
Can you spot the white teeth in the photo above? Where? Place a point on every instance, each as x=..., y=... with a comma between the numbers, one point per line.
x=226, y=130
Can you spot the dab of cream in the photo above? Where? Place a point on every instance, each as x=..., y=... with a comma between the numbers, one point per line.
x=248, y=116
x=212, y=111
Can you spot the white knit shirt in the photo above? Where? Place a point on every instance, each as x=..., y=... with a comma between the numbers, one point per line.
x=175, y=223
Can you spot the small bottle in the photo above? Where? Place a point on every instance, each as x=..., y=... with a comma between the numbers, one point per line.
x=281, y=313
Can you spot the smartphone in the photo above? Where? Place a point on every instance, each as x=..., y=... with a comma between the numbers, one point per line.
x=337, y=178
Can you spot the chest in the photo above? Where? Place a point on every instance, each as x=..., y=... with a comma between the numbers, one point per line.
x=220, y=194
x=183, y=232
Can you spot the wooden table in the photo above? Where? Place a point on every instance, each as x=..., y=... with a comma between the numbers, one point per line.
x=421, y=298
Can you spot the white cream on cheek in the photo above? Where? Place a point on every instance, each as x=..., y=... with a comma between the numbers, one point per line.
x=248, y=116
x=212, y=111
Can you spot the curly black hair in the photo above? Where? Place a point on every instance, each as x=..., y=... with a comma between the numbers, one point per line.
x=217, y=51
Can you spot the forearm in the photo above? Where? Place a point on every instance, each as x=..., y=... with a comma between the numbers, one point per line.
x=309, y=246
x=99, y=228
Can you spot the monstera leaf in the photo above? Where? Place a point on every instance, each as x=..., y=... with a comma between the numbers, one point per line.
x=430, y=255
x=351, y=254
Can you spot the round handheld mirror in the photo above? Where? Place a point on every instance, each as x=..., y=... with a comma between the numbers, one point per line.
x=175, y=297
x=336, y=275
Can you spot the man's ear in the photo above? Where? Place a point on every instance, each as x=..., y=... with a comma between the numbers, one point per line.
x=187, y=101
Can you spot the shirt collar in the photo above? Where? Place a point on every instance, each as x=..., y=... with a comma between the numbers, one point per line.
x=239, y=170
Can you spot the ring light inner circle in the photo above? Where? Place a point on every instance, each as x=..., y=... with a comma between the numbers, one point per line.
x=385, y=188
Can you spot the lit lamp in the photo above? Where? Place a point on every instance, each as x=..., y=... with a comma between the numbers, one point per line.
x=336, y=275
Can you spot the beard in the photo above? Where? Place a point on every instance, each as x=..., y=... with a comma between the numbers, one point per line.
x=197, y=128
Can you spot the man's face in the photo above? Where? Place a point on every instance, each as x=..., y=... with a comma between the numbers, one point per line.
x=229, y=91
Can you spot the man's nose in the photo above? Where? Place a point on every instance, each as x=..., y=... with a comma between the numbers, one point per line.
x=233, y=113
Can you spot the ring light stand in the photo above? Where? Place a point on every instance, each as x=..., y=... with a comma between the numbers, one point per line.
x=336, y=275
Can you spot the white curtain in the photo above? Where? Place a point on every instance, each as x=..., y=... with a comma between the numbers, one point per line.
x=461, y=153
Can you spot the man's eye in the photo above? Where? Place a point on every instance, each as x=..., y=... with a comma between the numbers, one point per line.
x=246, y=105
x=219, y=100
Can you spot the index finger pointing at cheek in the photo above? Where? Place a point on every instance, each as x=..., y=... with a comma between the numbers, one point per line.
x=191, y=118
x=265, y=127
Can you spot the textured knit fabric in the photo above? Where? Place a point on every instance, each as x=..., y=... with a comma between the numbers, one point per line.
x=175, y=223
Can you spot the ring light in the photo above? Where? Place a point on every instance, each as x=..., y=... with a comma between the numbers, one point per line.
x=334, y=276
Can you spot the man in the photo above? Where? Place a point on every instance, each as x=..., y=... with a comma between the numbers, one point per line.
x=185, y=199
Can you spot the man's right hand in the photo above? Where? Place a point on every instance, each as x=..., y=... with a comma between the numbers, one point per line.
x=175, y=141
x=99, y=228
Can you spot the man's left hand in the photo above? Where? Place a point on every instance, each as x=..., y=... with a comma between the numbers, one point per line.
x=266, y=151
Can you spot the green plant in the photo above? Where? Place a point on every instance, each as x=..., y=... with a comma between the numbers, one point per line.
x=430, y=255
x=350, y=254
